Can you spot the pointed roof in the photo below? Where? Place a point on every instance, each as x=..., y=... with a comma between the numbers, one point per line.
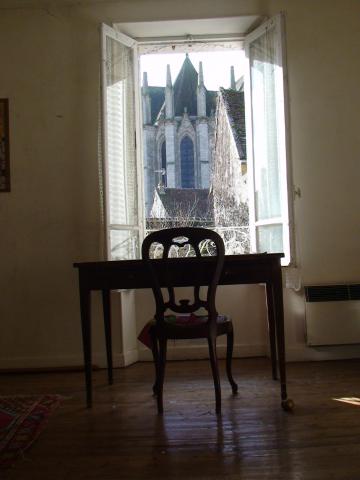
x=185, y=89
x=185, y=93
x=235, y=108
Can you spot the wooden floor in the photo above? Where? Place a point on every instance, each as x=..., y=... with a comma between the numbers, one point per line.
x=123, y=437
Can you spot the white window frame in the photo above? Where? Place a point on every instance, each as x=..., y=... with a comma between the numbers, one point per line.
x=282, y=127
x=281, y=96
x=109, y=32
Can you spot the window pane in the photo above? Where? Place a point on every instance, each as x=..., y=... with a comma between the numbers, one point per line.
x=163, y=163
x=269, y=238
x=120, y=127
x=187, y=163
x=124, y=244
x=265, y=136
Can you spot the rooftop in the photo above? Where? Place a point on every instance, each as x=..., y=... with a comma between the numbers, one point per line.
x=187, y=203
x=235, y=106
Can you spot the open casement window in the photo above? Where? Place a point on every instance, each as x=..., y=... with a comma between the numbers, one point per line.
x=268, y=178
x=122, y=171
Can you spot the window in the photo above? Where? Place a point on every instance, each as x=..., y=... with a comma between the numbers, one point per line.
x=163, y=163
x=267, y=142
x=187, y=163
x=121, y=169
x=266, y=145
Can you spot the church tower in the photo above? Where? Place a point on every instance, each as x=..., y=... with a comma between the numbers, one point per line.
x=178, y=139
x=149, y=145
x=202, y=131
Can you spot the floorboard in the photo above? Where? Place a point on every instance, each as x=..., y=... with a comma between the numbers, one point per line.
x=123, y=437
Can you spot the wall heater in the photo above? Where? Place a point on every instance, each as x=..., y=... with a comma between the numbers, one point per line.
x=332, y=314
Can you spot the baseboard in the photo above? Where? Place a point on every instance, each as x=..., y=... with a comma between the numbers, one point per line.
x=64, y=362
x=128, y=358
x=176, y=351
x=303, y=353
x=295, y=353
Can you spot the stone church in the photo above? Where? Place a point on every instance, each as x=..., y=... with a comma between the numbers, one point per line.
x=178, y=135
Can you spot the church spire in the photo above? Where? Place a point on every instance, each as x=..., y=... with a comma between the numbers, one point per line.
x=169, y=95
x=201, y=75
x=146, y=102
x=232, y=78
x=201, y=94
x=145, y=80
x=168, y=76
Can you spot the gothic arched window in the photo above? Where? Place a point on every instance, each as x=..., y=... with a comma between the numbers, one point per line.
x=187, y=163
x=163, y=162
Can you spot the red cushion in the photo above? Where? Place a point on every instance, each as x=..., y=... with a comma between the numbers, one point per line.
x=192, y=319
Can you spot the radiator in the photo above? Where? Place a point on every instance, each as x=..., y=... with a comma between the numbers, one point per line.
x=332, y=314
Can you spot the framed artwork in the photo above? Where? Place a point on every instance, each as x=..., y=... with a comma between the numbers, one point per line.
x=4, y=146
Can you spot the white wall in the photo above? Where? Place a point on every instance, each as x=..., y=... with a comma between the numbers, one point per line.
x=51, y=218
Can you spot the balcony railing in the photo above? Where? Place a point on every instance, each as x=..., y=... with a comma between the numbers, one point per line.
x=236, y=241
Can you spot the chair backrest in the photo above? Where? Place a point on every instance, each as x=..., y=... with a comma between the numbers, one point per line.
x=164, y=248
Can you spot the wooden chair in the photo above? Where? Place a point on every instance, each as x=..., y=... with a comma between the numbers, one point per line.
x=183, y=323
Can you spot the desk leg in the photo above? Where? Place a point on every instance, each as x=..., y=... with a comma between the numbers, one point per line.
x=85, y=309
x=107, y=326
x=280, y=335
x=271, y=328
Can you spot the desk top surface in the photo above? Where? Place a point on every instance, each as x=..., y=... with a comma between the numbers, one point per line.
x=130, y=274
x=252, y=258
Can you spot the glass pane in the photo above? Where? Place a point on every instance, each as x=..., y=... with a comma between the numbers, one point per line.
x=124, y=244
x=187, y=163
x=236, y=240
x=120, y=127
x=269, y=238
x=265, y=135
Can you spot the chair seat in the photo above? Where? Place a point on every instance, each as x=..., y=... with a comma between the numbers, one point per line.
x=182, y=323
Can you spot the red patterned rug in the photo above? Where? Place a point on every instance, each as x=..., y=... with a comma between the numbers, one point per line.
x=22, y=417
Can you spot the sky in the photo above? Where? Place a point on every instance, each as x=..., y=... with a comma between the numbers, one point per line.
x=216, y=67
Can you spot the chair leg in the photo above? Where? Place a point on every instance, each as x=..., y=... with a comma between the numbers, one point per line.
x=229, y=352
x=215, y=372
x=155, y=354
x=161, y=373
x=107, y=327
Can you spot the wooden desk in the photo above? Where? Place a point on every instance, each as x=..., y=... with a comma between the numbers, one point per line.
x=131, y=274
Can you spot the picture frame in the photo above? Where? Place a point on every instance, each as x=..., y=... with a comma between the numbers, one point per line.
x=4, y=146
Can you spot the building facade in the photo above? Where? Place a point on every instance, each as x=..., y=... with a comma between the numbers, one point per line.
x=229, y=171
x=178, y=133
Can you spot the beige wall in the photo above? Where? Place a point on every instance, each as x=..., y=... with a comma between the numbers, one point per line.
x=51, y=218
